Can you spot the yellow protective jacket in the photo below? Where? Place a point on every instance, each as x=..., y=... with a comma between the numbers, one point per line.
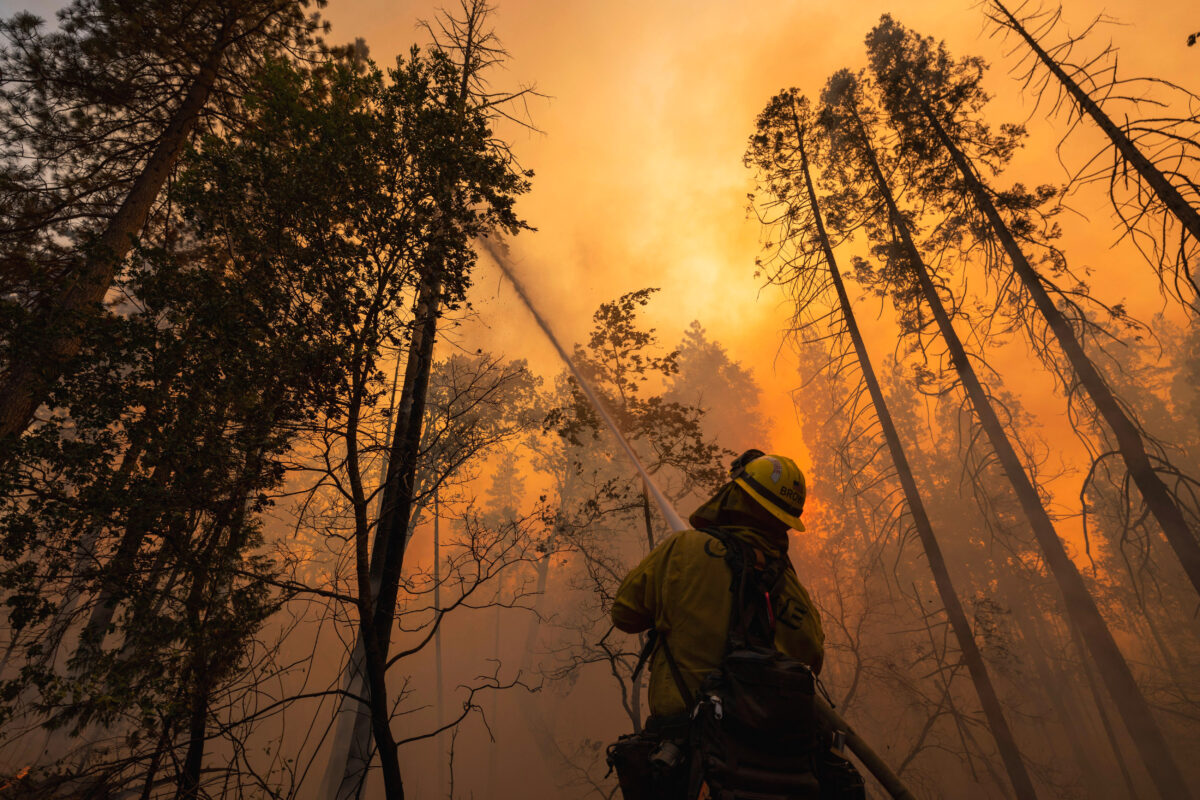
x=682, y=590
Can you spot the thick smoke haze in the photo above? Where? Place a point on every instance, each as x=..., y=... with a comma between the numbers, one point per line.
x=656, y=250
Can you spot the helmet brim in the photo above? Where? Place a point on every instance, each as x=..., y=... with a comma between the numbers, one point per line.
x=790, y=520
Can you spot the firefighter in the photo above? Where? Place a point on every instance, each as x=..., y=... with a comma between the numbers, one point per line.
x=681, y=591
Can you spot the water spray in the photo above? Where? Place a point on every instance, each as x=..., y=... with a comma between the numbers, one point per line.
x=674, y=521
x=868, y=757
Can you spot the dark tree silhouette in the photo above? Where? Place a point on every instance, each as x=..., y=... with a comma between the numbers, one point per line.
x=934, y=103
x=96, y=117
x=848, y=120
x=474, y=190
x=1150, y=166
x=180, y=410
x=780, y=149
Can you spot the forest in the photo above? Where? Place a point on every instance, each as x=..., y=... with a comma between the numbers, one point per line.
x=299, y=500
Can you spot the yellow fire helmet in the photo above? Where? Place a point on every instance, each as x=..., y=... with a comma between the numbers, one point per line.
x=775, y=483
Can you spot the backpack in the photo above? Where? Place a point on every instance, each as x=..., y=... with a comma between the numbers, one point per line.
x=754, y=726
x=754, y=732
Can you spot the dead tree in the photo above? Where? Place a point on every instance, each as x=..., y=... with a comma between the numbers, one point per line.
x=780, y=148
x=843, y=121
x=1159, y=156
x=932, y=98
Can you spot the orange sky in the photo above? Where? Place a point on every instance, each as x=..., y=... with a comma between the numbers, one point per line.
x=639, y=176
x=639, y=179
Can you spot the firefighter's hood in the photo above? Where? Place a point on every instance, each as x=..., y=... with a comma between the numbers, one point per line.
x=733, y=508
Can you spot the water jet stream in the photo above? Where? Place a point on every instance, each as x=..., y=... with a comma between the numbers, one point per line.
x=868, y=757
x=674, y=521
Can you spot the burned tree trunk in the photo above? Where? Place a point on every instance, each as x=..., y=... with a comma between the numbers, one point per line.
x=992, y=709
x=1127, y=151
x=387, y=561
x=1162, y=504
x=1081, y=608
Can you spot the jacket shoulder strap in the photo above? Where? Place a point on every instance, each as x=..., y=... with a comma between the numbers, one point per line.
x=655, y=640
x=754, y=578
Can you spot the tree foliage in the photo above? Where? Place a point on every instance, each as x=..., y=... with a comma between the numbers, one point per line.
x=96, y=116
x=135, y=574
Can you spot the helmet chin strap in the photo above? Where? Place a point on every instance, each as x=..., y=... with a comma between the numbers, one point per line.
x=739, y=509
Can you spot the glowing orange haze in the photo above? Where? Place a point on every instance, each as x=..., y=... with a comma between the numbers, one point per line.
x=639, y=175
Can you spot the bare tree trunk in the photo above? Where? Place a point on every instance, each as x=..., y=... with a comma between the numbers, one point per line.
x=941, y=668
x=212, y=566
x=647, y=520
x=437, y=647
x=493, y=757
x=105, y=604
x=378, y=718
x=1081, y=608
x=1166, y=192
x=28, y=381
x=635, y=685
x=387, y=552
x=990, y=702
x=188, y=780
x=1058, y=690
x=1105, y=722
x=1159, y=500
x=189, y=777
x=164, y=741
x=531, y=710
x=1170, y=659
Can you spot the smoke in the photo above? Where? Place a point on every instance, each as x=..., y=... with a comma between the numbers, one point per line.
x=498, y=251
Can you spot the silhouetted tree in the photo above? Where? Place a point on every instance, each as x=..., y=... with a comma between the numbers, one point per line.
x=808, y=270
x=474, y=192
x=95, y=117
x=1150, y=163
x=934, y=103
x=168, y=440
x=848, y=121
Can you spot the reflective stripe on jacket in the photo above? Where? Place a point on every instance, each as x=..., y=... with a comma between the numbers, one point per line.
x=682, y=590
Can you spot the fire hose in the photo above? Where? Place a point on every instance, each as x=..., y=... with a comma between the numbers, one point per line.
x=870, y=760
